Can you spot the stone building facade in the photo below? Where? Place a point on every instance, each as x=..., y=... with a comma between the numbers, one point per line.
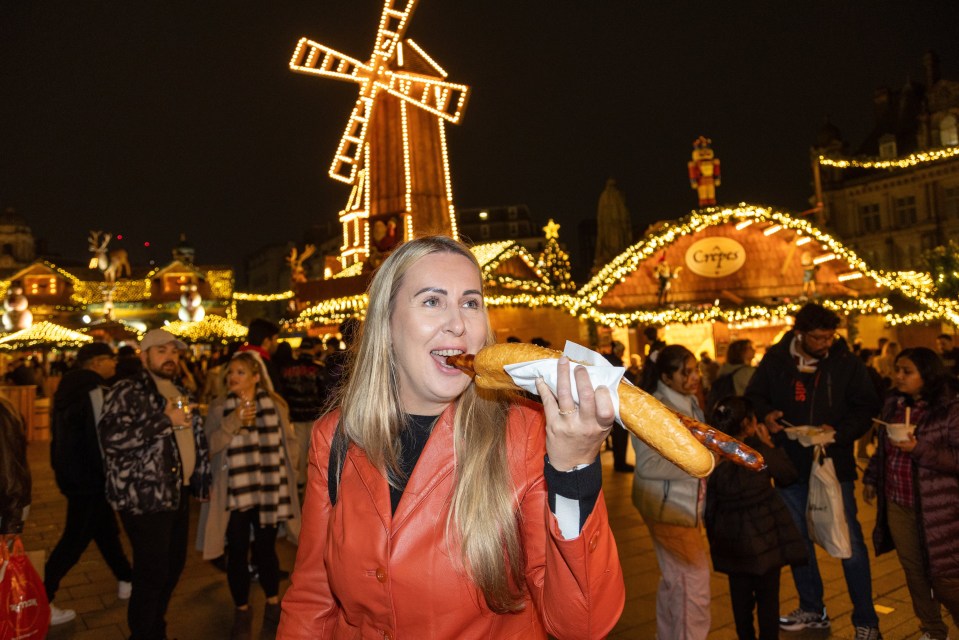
x=890, y=216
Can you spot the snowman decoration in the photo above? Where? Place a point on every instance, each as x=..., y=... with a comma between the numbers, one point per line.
x=191, y=304
x=16, y=315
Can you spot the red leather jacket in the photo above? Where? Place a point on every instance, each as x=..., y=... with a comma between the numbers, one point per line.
x=361, y=573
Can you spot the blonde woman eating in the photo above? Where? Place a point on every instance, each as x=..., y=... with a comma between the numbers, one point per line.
x=447, y=511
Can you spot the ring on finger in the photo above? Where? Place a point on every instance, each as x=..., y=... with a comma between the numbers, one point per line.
x=568, y=412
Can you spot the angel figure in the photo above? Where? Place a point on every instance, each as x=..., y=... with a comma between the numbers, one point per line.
x=665, y=274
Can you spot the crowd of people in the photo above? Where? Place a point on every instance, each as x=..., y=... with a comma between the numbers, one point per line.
x=423, y=506
x=811, y=377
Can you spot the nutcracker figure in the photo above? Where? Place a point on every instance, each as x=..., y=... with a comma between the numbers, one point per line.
x=704, y=171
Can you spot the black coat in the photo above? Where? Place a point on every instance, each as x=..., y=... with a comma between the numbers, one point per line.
x=747, y=523
x=839, y=393
x=75, y=450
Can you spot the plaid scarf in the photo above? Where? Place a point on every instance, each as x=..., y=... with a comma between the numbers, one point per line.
x=257, y=469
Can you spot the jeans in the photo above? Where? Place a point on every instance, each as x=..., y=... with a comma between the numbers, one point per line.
x=856, y=568
x=89, y=518
x=159, y=542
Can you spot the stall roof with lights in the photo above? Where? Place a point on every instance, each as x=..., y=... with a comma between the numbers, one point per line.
x=745, y=262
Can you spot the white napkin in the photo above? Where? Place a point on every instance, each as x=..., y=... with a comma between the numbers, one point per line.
x=525, y=374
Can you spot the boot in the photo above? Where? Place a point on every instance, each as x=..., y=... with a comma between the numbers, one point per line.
x=242, y=625
x=271, y=619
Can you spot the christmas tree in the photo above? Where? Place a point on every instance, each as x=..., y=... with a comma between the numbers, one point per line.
x=554, y=261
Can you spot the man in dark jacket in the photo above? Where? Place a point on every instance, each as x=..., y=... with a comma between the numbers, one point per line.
x=304, y=386
x=156, y=456
x=78, y=468
x=811, y=378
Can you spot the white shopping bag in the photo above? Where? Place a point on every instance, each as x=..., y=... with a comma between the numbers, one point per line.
x=825, y=515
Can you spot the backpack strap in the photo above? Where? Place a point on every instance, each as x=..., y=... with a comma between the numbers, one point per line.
x=338, y=447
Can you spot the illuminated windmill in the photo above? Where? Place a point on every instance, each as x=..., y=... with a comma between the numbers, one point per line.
x=393, y=151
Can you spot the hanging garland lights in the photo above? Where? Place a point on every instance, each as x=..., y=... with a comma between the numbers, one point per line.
x=261, y=297
x=921, y=157
x=749, y=316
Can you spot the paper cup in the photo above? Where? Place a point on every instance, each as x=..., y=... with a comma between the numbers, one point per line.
x=899, y=432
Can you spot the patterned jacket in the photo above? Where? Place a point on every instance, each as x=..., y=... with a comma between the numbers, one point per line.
x=140, y=453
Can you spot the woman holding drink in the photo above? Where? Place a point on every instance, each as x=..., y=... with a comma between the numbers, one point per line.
x=253, y=488
x=916, y=477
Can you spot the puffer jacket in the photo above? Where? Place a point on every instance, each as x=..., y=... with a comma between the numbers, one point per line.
x=935, y=484
x=140, y=454
x=747, y=523
x=839, y=393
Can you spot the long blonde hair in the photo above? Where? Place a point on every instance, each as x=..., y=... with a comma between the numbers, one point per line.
x=483, y=515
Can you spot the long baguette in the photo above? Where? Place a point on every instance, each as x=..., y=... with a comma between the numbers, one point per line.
x=641, y=413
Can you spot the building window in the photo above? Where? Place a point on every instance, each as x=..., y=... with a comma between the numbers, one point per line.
x=905, y=211
x=484, y=231
x=512, y=213
x=928, y=241
x=513, y=229
x=948, y=132
x=869, y=220
x=41, y=285
x=887, y=147
x=950, y=202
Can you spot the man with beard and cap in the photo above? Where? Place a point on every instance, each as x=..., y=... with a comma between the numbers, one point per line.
x=810, y=377
x=78, y=468
x=155, y=455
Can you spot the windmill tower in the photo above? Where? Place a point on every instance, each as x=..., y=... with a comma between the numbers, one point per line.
x=393, y=151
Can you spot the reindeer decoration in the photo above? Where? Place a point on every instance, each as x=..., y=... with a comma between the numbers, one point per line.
x=113, y=264
x=297, y=272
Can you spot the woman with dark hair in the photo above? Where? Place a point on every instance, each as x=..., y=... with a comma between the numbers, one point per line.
x=436, y=509
x=739, y=364
x=671, y=503
x=751, y=534
x=917, y=482
x=15, y=483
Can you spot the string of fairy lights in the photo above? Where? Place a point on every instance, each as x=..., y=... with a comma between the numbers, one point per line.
x=912, y=160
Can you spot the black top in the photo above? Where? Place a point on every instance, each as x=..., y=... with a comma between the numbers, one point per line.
x=414, y=439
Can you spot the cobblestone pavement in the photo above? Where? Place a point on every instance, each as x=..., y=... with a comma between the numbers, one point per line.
x=201, y=607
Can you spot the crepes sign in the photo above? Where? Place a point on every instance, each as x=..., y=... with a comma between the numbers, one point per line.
x=715, y=257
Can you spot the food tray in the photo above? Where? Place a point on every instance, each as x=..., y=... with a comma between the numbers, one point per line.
x=809, y=436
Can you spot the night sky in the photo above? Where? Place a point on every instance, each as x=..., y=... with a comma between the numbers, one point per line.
x=149, y=118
